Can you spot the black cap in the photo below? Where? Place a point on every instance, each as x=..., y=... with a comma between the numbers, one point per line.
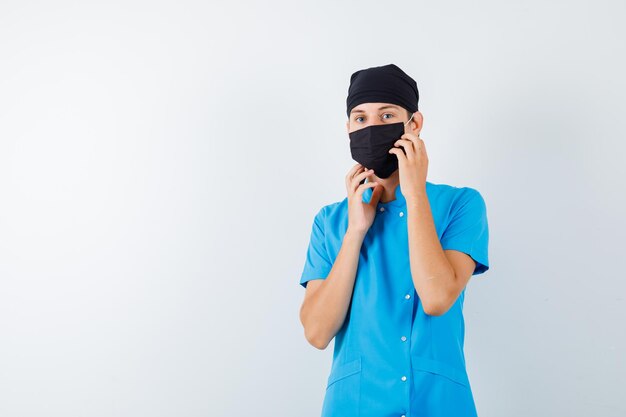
x=384, y=84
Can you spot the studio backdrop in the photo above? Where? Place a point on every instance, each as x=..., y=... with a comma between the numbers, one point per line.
x=161, y=165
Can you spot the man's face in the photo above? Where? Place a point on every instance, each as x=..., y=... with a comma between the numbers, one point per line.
x=367, y=114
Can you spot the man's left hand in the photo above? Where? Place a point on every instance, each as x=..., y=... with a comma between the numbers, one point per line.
x=413, y=166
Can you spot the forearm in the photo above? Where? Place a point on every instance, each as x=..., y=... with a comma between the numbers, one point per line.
x=324, y=312
x=432, y=274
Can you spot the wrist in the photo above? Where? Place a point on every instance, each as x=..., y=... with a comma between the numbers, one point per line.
x=357, y=235
x=417, y=195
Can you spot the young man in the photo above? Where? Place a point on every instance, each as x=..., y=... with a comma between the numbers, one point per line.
x=386, y=267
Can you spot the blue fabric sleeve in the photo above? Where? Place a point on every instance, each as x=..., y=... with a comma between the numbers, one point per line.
x=468, y=230
x=317, y=264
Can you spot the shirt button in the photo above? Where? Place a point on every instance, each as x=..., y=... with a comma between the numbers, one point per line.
x=401, y=214
x=382, y=209
x=407, y=296
x=403, y=378
x=403, y=338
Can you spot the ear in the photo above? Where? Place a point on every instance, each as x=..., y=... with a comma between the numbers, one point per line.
x=417, y=122
x=348, y=126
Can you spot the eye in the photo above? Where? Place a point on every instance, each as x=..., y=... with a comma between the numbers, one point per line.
x=388, y=114
x=358, y=117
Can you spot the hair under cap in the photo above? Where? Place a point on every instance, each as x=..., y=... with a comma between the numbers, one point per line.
x=384, y=84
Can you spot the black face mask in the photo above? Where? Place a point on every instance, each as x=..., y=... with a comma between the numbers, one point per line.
x=370, y=147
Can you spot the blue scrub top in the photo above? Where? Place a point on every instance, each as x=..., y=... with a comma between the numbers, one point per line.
x=390, y=358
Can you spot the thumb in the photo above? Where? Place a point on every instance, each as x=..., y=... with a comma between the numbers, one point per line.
x=376, y=193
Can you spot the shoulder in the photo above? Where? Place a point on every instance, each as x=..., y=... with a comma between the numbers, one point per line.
x=333, y=210
x=454, y=195
x=333, y=217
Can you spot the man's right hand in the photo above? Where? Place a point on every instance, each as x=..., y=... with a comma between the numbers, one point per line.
x=361, y=215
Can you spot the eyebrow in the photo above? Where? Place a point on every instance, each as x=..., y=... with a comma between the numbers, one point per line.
x=380, y=108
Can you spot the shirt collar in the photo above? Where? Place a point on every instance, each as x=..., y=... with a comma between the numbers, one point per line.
x=399, y=201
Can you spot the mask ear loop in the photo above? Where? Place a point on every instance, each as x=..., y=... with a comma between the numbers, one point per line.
x=412, y=114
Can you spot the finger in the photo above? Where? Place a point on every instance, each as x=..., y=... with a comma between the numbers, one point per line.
x=378, y=191
x=356, y=180
x=421, y=146
x=353, y=182
x=407, y=145
x=353, y=171
x=361, y=189
x=418, y=143
x=413, y=138
x=350, y=177
x=401, y=156
x=359, y=172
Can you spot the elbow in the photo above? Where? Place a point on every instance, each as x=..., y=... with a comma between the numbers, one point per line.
x=313, y=335
x=316, y=340
x=437, y=308
x=433, y=311
x=439, y=303
x=315, y=332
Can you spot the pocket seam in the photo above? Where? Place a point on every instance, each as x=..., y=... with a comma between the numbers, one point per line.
x=343, y=371
x=440, y=368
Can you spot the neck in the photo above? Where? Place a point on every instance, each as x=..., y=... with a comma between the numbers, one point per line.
x=389, y=184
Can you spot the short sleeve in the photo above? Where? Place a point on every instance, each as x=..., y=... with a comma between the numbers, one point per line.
x=468, y=230
x=317, y=264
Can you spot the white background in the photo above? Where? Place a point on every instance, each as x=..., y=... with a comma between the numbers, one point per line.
x=161, y=164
